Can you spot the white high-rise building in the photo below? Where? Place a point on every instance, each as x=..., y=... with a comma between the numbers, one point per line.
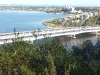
x=67, y=6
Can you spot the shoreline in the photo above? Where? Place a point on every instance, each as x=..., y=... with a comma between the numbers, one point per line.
x=52, y=27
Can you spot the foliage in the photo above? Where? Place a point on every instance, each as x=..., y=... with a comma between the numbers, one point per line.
x=49, y=58
x=88, y=9
x=60, y=22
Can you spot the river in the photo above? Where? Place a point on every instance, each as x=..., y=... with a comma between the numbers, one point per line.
x=28, y=20
x=24, y=20
x=78, y=41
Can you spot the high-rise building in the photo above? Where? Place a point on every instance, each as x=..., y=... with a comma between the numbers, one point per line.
x=68, y=8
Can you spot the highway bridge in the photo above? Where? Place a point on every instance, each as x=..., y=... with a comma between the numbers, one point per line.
x=39, y=34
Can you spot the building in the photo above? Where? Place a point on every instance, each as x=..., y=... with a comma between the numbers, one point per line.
x=95, y=13
x=68, y=9
x=90, y=14
x=84, y=16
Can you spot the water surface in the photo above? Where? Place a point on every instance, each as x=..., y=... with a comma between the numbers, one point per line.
x=24, y=20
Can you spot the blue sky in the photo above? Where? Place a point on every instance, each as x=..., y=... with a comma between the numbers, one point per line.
x=53, y=2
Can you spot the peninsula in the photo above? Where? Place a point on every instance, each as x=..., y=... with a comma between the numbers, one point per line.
x=75, y=18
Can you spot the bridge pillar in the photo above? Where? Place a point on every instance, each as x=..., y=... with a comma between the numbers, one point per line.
x=73, y=36
x=96, y=33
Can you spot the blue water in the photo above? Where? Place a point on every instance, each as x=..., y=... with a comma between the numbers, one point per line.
x=24, y=20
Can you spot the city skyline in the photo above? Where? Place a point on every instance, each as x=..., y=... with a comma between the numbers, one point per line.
x=52, y=2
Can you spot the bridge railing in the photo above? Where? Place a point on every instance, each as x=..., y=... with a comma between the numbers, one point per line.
x=48, y=32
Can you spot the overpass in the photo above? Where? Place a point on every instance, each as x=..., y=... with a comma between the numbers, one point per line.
x=39, y=34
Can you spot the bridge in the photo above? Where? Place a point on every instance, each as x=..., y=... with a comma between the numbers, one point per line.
x=39, y=34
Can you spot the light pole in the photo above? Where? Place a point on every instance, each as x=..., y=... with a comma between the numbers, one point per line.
x=3, y=30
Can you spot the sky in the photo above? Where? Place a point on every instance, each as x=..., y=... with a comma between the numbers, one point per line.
x=53, y=2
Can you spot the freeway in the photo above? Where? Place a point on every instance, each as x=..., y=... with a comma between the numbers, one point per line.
x=39, y=34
